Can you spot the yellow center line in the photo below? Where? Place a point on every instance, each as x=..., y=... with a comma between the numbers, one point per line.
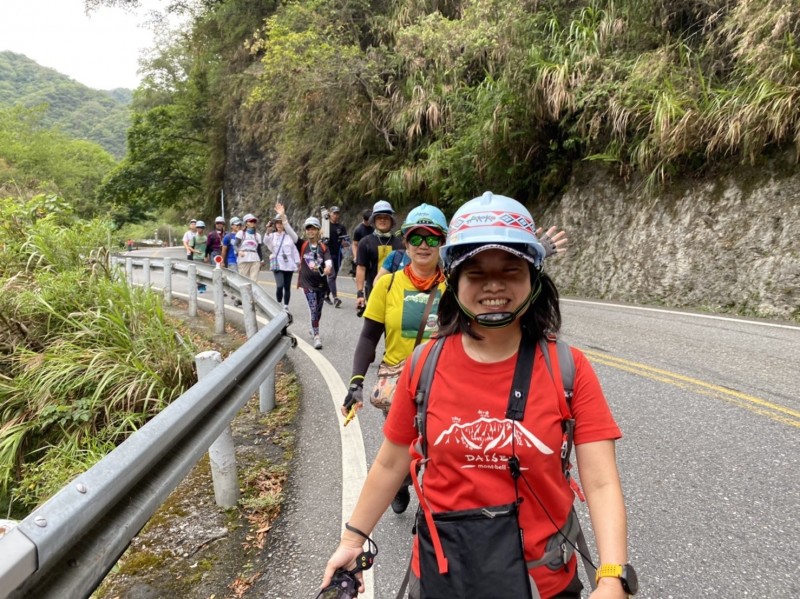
x=754, y=404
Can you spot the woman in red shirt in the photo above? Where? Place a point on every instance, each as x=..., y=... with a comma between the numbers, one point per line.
x=499, y=302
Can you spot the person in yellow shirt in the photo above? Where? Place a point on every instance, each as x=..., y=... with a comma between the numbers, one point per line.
x=402, y=306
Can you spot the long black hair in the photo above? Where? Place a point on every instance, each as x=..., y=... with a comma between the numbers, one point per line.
x=542, y=317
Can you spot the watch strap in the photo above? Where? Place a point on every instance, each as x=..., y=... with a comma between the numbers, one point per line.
x=608, y=571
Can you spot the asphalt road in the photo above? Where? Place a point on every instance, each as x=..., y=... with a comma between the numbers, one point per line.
x=710, y=414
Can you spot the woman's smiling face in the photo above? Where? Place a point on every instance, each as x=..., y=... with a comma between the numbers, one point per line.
x=494, y=281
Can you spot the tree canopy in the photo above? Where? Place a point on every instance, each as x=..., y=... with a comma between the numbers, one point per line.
x=37, y=159
x=436, y=101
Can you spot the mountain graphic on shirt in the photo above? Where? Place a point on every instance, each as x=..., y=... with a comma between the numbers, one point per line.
x=490, y=434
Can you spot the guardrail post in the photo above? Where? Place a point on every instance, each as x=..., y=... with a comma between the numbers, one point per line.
x=248, y=310
x=192, y=275
x=266, y=394
x=168, y=280
x=266, y=391
x=219, y=301
x=146, y=272
x=221, y=453
x=129, y=270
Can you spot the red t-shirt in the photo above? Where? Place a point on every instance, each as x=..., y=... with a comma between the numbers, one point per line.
x=469, y=442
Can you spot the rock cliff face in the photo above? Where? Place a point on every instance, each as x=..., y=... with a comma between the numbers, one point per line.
x=729, y=242
x=724, y=242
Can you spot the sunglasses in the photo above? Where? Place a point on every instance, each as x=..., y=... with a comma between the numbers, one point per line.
x=432, y=241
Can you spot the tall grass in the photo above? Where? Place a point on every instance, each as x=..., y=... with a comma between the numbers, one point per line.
x=84, y=359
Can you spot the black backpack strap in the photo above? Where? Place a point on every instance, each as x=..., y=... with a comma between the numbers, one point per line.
x=520, y=385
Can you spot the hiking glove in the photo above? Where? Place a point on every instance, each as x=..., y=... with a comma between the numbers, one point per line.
x=355, y=394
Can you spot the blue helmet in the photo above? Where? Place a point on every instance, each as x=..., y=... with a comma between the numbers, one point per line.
x=425, y=215
x=491, y=221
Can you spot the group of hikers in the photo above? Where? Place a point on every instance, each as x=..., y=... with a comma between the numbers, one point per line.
x=483, y=403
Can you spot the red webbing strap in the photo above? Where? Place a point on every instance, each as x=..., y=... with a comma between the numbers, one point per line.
x=416, y=463
x=419, y=361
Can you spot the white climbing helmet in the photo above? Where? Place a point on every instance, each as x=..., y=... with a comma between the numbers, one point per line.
x=491, y=221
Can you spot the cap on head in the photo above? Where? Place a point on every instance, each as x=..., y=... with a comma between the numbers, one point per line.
x=426, y=216
x=334, y=209
x=312, y=221
x=491, y=221
x=219, y=219
x=249, y=217
x=236, y=221
x=381, y=207
x=194, y=220
x=201, y=225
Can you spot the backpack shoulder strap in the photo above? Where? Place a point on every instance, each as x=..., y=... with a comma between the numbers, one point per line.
x=397, y=259
x=565, y=365
x=421, y=379
x=303, y=247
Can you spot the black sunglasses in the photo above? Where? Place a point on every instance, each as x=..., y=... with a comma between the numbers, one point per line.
x=432, y=241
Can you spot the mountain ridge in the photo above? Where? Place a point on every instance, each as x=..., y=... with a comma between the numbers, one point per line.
x=101, y=116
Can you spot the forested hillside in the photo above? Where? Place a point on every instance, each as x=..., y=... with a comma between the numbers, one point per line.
x=437, y=101
x=81, y=112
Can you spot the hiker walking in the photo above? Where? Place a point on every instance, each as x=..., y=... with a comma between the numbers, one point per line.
x=214, y=242
x=187, y=239
x=248, y=248
x=374, y=248
x=359, y=232
x=228, y=249
x=402, y=307
x=494, y=421
x=281, y=240
x=338, y=241
x=315, y=266
x=198, y=248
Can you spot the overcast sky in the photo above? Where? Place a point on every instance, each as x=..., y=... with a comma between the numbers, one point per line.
x=100, y=50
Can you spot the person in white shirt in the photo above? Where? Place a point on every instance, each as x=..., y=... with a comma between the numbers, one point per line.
x=248, y=248
x=187, y=238
x=281, y=240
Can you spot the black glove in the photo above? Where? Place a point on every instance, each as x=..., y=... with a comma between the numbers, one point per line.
x=549, y=245
x=355, y=394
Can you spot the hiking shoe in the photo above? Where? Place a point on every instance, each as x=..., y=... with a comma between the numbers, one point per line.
x=328, y=300
x=318, y=345
x=401, y=500
x=286, y=308
x=337, y=303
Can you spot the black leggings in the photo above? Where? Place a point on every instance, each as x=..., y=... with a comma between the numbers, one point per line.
x=283, y=282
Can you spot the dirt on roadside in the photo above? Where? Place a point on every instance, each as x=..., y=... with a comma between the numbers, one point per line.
x=193, y=548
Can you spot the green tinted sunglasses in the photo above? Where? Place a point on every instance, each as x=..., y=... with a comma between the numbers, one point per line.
x=432, y=241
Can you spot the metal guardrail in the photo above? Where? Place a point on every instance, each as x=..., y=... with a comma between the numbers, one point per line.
x=65, y=548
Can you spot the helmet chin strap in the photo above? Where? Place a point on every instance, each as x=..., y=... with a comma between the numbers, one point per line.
x=498, y=320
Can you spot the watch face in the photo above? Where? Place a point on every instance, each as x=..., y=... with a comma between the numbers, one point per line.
x=630, y=582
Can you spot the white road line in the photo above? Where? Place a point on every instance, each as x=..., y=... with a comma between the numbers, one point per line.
x=354, y=457
x=676, y=312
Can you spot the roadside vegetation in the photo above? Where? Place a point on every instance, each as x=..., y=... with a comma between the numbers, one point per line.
x=84, y=359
